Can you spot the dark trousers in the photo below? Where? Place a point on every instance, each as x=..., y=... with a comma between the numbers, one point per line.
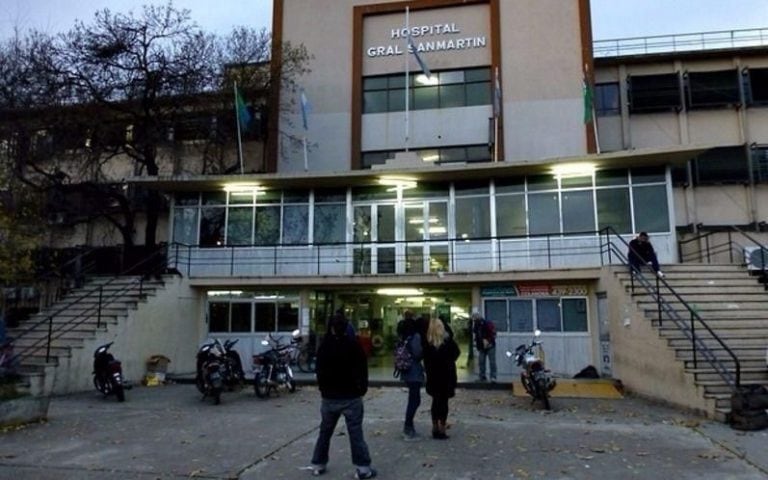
x=414, y=400
x=330, y=411
x=439, y=408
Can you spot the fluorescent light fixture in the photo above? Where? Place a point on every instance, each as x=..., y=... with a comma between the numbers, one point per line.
x=569, y=170
x=399, y=292
x=402, y=183
x=242, y=187
x=224, y=293
x=430, y=158
x=422, y=79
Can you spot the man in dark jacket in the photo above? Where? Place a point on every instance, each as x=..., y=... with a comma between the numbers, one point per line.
x=342, y=376
x=641, y=253
x=484, y=333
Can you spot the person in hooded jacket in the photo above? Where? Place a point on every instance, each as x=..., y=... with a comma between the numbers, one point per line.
x=410, y=330
x=342, y=377
x=440, y=356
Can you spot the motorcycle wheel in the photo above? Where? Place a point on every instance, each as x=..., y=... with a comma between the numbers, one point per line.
x=291, y=385
x=120, y=392
x=306, y=362
x=261, y=385
x=541, y=387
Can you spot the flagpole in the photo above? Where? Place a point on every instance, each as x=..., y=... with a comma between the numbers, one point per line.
x=237, y=122
x=306, y=161
x=407, y=76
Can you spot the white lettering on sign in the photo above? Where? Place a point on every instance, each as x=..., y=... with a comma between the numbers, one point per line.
x=424, y=30
x=427, y=44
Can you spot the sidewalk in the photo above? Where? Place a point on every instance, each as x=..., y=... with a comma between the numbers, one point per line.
x=169, y=433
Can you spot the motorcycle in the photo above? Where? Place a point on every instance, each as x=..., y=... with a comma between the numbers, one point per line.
x=233, y=374
x=272, y=369
x=536, y=379
x=211, y=358
x=108, y=373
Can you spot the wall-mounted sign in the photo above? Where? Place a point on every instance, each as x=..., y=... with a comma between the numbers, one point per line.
x=427, y=38
x=498, y=291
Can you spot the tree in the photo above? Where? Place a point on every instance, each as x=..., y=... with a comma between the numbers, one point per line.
x=115, y=91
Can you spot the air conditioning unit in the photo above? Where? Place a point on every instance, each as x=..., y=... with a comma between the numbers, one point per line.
x=756, y=258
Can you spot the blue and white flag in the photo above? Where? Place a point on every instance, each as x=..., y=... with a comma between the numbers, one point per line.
x=306, y=107
x=496, y=95
x=422, y=64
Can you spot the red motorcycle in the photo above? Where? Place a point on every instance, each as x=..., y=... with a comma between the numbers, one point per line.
x=108, y=373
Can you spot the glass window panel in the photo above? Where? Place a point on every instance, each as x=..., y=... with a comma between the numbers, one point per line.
x=478, y=94
x=543, y=213
x=241, y=317
x=437, y=220
x=451, y=77
x=296, y=196
x=510, y=185
x=266, y=230
x=212, y=226
x=575, y=182
x=287, y=316
x=361, y=228
x=386, y=223
x=521, y=315
x=331, y=195
x=295, y=224
x=269, y=196
x=375, y=102
x=218, y=317
x=496, y=311
x=611, y=177
x=397, y=81
x=452, y=96
x=385, y=261
x=374, y=158
x=542, y=182
x=548, y=315
x=613, y=210
x=264, y=316
x=454, y=154
x=427, y=155
x=362, y=259
x=414, y=260
x=187, y=198
x=477, y=74
x=651, y=213
x=607, y=99
x=330, y=223
x=375, y=83
x=578, y=211
x=479, y=153
x=471, y=188
x=425, y=97
x=414, y=221
x=473, y=217
x=574, y=314
x=427, y=190
x=214, y=198
x=185, y=225
x=648, y=175
x=510, y=215
x=240, y=225
x=438, y=258
x=241, y=198
x=372, y=193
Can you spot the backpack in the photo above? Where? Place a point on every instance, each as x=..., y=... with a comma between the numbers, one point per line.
x=403, y=357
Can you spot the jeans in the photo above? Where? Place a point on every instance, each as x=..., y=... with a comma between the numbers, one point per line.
x=330, y=411
x=414, y=400
x=490, y=354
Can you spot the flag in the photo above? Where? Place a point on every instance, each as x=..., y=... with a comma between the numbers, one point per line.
x=244, y=115
x=424, y=67
x=305, y=109
x=588, y=99
x=497, y=95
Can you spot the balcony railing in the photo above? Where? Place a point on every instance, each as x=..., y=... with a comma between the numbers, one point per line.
x=687, y=42
x=458, y=255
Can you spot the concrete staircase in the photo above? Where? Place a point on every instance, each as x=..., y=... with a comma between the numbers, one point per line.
x=77, y=326
x=733, y=304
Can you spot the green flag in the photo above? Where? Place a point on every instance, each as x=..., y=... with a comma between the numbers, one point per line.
x=244, y=115
x=588, y=100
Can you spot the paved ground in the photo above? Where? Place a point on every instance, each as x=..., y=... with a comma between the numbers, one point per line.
x=168, y=433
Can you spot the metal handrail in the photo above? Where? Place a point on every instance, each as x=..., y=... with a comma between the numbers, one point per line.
x=88, y=313
x=730, y=245
x=686, y=42
x=686, y=326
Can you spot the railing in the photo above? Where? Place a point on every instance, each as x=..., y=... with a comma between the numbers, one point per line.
x=689, y=322
x=686, y=42
x=151, y=265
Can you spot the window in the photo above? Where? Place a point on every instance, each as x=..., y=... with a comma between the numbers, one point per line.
x=543, y=213
x=578, y=210
x=218, y=317
x=265, y=317
x=524, y=315
x=607, y=99
x=330, y=217
x=711, y=89
x=520, y=315
x=510, y=215
x=651, y=212
x=574, y=314
x=212, y=226
x=613, y=209
x=266, y=227
x=548, y=315
x=757, y=86
x=465, y=153
x=239, y=225
x=654, y=93
x=721, y=165
x=473, y=219
x=447, y=89
x=760, y=163
x=185, y=225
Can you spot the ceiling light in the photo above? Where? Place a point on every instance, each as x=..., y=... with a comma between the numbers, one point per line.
x=242, y=187
x=569, y=170
x=399, y=292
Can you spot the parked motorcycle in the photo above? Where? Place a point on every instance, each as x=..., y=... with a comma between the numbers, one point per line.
x=233, y=374
x=108, y=373
x=272, y=369
x=211, y=358
x=536, y=379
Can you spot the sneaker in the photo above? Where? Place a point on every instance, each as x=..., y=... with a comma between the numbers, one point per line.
x=410, y=435
x=318, y=470
x=368, y=473
x=660, y=274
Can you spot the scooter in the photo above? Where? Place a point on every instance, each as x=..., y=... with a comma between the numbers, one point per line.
x=272, y=369
x=536, y=379
x=108, y=373
x=210, y=365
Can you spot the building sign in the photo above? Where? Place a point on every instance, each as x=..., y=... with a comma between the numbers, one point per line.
x=533, y=290
x=498, y=291
x=427, y=38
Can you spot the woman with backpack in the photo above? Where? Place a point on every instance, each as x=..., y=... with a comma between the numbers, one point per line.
x=440, y=357
x=410, y=335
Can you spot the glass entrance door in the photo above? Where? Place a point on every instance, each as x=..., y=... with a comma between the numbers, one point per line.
x=424, y=226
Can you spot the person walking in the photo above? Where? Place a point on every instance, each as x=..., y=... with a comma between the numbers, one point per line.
x=484, y=333
x=440, y=357
x=342, y=377
x=411, y=335
x=641, y=253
